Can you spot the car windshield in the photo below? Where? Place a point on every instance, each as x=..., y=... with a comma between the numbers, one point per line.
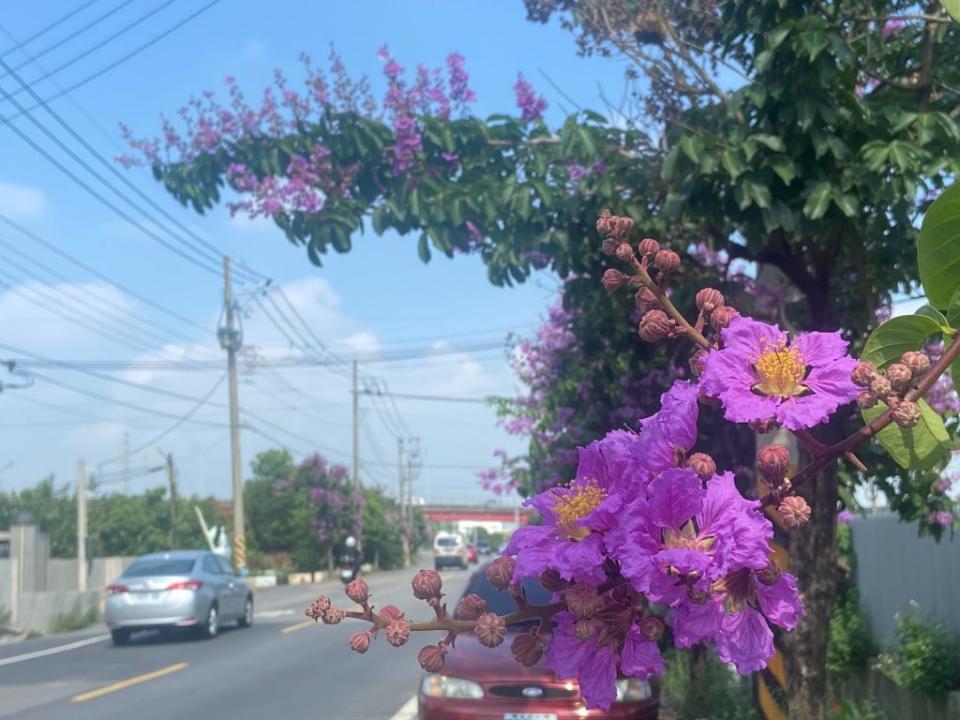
x=501, y=602
x=159, y=566
x=446, y=542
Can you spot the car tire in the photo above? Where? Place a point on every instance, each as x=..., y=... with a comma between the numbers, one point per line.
x=436, y=565
x=120, y=637
x=210, y=627
x=246, y=620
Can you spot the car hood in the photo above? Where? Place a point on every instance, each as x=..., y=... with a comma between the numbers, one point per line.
x=471, y=660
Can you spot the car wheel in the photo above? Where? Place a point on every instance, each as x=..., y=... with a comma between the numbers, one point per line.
x=247, y=619
x=211, y=626
x=436, y=564
x=120, y=637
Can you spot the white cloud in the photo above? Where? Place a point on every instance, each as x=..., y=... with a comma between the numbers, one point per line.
x=22, y=201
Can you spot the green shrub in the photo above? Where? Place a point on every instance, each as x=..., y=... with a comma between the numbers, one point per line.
x=76, y=619
x=851, y=710
x=720, y=694
x=850, y=646
x=926, y=659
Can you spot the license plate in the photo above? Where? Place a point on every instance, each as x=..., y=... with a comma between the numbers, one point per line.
x=148, y=597
x=530, y=716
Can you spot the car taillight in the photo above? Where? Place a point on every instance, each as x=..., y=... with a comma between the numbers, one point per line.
x=116, y=589
x=185, y=585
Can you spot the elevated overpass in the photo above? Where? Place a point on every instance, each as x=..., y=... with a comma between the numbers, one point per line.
x=477, y=514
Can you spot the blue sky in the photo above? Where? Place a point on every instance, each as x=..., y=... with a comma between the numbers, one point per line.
x=379, y=297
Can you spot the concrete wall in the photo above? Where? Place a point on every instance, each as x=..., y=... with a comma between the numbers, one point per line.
x=62, y=573
x=896, y=568
x=38, y=611
x=6, y=583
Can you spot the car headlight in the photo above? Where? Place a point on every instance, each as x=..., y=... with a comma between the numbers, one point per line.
x=633, y=690
x=442, y=686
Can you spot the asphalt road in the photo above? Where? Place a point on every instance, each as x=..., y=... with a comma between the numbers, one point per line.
x=284, y=667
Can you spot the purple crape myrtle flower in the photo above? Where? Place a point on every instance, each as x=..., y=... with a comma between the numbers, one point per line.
x=532, y=106
x=671, y=432
x=845, y=517
x=570, y=540
x=892, y=27
x=758, y=376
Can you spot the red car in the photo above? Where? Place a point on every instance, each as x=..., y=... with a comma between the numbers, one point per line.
x=478, y=683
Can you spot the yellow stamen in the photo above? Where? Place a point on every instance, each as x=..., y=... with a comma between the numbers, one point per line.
x=580, y=502
x=780, y=371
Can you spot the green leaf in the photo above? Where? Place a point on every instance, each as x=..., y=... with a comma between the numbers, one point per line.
x=953, y=311
x=423, y=248
x=952, y=7
x=771, y=141
x=732, y=163
x=896, y=336
x=938, y=248
x=691, y=147
x=586, y=139
x=846, y=202
x=818, y=200
x=919, y=447
x=784, y=167
x=932, y=313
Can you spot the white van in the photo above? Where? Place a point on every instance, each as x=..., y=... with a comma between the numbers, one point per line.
x=449, y=549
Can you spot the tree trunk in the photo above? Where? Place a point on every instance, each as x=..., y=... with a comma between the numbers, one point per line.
x=813, y=559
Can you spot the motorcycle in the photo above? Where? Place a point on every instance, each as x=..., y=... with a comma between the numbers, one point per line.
x=349, y=561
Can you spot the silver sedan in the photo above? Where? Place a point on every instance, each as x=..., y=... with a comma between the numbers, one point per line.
x=188, y=589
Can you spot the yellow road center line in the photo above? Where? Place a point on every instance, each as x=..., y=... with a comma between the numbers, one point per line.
x=299, y=626
x=446, y=576
x=130, y=682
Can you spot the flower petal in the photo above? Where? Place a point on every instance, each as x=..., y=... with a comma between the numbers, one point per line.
x=640, y=657
x=598, y=678
x=676, y=496
x=745, y=640
x=693, y=623
x=781, y=602
x=746, y=334
x=742, y=405
x=820, y=348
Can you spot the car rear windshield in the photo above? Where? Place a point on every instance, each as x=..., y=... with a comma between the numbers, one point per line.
x=143, y=568
x=500, y=602
x=446, y=541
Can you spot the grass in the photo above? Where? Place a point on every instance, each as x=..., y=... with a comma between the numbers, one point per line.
x=76, y=619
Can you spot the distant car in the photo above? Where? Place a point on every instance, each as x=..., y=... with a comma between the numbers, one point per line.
x=484, y=684
x=181, y=589
x=472, y=555
x=483, y=547
x=449, y=549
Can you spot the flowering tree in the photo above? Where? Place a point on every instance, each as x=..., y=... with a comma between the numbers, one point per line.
x=756, y=171
x=649, y=535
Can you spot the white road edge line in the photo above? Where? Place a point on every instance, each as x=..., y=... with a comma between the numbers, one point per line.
x=273, y=613
x=54, y=650
x=408, y=711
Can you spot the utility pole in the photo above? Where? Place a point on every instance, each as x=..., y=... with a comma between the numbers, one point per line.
x=81, y=526
x=172, y=480
x=401, y=497
x=356, y=429
x=231, y=338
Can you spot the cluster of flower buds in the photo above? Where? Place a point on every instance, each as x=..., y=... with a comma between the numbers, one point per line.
x=773, y=462
x=322, y=609
x=891, y=386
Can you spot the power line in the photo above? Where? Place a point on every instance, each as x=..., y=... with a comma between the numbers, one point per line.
x=433, y=398
x=47, y=28
x=124, y=58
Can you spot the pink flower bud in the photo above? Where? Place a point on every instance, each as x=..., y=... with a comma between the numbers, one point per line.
x=624, y=253
x=697, y=361
x=318, y=607
x=703, y=465
x=774, y=461
x=880, y=387
x=471, y=607
x=865, y=400
x=583, y=600
x=490, y=630
x=863, y=373
x=666, y=261
x=391, y=612
x=770, y=574
x=609, y=246
x=709, y=300
x=722, y=316
x=652, y=627
x=605, y=223
x=763, y=427
x=398, y=632
x=646, y=300
x=648, y=246
x=358, y=591
x=333, y=616
x=899, y=376
x=584, y=628
x=655, y=325
x=892, y=400
x=360, y=642
x=916, y=361
x=906, y=414
x=431, y=657
x=794, y=511
x=614, y=279
x=622, y=226
x=427, y=584
x=551, y=580
x=527, y=648
x=500, y=572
